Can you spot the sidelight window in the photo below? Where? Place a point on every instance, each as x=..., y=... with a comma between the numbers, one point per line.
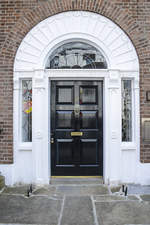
x=126, y=110
x=26, y=111
x=76, y=55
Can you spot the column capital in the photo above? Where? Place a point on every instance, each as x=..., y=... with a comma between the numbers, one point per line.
x=39, y=79
x=114, y=79
x=16, y=82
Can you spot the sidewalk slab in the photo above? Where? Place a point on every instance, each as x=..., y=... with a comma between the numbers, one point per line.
x=77, y=211
x=110, y=198
x=21, y=190
x=33, y=210
x=138, y=189
x=125, y=212
x=145, y=197
x=50, y=191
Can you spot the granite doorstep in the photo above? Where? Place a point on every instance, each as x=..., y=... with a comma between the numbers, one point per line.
x=82, y=190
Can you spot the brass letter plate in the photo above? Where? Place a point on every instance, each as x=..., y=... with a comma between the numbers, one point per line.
x=76, y=133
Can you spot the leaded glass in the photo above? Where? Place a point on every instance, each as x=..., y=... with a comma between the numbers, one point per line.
x=76, y=55
x=26, y=110
x=126, y=111
x=88, y=95
x=64, y=95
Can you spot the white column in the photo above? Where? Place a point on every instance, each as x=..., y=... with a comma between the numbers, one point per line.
x=40, y=128
x=106, y=153
x=114, y=128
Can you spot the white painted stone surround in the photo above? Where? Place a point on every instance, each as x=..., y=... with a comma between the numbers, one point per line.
x=32, y=160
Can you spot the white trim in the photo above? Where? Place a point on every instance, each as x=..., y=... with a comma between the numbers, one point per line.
x=117, y=48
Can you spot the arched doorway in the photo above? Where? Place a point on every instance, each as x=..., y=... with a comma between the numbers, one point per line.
x=76, y=113
x=107, y=57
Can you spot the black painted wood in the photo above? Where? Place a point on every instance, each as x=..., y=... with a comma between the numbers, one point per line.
x=77, y=106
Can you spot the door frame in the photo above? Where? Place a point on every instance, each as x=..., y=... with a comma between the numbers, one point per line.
x=94, y=74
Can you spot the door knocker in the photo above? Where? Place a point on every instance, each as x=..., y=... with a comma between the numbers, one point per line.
x=77, y=110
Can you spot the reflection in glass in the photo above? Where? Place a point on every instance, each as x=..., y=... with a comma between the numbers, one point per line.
x=26, y=110
x=76, y=55
x=64, y=95
x=126, y=110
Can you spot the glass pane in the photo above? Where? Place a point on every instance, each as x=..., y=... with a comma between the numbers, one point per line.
x=26, y=110
x=65, y=95
x=76, y=55
x=126, y=111
x=88, y=95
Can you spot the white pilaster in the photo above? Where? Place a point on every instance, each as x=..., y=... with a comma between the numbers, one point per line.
x=114, y=128
x=40, y=129
x=16, y=123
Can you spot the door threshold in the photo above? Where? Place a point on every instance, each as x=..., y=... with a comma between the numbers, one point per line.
x=76, y=177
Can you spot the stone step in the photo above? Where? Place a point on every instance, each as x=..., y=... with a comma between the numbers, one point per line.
x=2, y=182
x=76, y=181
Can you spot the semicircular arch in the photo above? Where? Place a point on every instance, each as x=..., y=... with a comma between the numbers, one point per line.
x=82, y=25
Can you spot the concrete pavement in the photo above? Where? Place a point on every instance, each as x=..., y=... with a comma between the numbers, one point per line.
x=75, y=202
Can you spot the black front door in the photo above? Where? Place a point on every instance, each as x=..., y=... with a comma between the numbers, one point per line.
x=76, y=128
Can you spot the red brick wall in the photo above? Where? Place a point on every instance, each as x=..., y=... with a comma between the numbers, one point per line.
x=17, y=17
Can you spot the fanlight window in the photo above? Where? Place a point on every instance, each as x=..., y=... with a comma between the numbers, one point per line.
x=76, y=55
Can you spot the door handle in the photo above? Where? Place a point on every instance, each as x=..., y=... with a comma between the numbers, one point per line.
x=52, y=140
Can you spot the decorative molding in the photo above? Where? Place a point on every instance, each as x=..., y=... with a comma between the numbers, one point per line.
x=38, y=134
x=75, y=73
x=114, y=80
x=16, y=83
x=113, y=42
x=136, y=84
x=114, y=135
x=39, y=80
x=113, y=90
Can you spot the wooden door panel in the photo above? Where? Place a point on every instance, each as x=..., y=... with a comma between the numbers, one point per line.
x=64, y=119
x=89, y=152
x=64, y=152
x=89, y=119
